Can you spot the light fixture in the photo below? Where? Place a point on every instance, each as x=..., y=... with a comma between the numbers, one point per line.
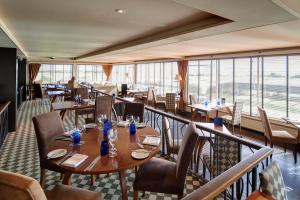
x=52, y=57
x=120, y=11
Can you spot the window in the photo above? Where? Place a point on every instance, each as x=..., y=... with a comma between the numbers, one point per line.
x=159, y=75
x=123, y=74
x=294, y=87
x=226, y=79
x=89, y=73
x=275, y=85
x=242, y=82
x=53, y=73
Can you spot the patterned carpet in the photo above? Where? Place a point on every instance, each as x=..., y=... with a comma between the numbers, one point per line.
x=19, y=154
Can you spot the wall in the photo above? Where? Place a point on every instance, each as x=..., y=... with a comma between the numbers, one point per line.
x=8, y=83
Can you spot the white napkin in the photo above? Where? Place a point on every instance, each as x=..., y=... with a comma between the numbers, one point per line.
x=122, y=123
x=153, y=141
x=75, y=160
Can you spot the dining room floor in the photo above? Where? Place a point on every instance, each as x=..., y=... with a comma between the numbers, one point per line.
x=19, y=154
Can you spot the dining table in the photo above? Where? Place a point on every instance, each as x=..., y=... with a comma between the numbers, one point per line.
x=64, y=106
x=210, y=108
x=53, y=94
x=90, y=146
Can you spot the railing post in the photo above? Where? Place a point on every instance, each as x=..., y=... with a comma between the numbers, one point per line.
x=254, y=179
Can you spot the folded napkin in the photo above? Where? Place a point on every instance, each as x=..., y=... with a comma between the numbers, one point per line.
x=122, y=123
x=151, y=140
x=75, y=160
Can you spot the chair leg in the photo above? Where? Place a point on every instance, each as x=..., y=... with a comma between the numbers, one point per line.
x=61, y=176
x=240, y=129
x=135, y=195
x=266, y=141
x=179, y=196
x=295, y=153
x=42, y=177
x=93, y=178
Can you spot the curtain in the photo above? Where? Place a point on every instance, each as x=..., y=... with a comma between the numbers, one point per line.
x=182, y=70
x=107, y=69
x=33, y=71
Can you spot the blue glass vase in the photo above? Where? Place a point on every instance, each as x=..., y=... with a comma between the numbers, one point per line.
x=218, y=121
x=104, y=147
x=132, y=128
x=76, y=137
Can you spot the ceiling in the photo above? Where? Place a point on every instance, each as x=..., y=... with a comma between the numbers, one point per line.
x=153, y=29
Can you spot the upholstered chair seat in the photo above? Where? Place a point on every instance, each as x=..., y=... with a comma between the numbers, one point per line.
x=159, y=175
x=19, y=187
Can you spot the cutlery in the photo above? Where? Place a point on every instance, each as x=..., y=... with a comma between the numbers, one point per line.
x=92, y=164
x=70, y=154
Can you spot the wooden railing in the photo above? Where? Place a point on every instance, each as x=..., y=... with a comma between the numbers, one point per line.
x=3, y=121
x=218, y=185
x=239, y=177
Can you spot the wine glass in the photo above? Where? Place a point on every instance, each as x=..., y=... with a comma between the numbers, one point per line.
x=128, y=119
x=112, y=136
x=101, y=119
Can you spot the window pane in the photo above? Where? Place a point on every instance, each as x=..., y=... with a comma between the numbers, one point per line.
x=204, y=79
x=193, y=77
x=226, y=80
x=242, y=82
x=275, y=88
x=294, y=87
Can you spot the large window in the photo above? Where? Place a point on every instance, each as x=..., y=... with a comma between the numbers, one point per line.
x=123, y=74
x=90, y=73
x=53, y=73
x=271, y=82
x=159, y=75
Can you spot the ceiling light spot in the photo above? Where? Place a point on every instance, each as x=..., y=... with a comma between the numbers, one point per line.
x=120, y=11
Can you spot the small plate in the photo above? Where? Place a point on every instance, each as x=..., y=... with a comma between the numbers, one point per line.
x=91, y=125
x=57, y=153
x=85, y=100
x=140, y=154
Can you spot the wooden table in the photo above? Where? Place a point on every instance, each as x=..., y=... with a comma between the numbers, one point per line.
x=91, y=147
x=58, y=93
x=209, y=108
x=131, y=93
x=69, y=105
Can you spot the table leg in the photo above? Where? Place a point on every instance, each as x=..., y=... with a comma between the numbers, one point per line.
x=123, y=185
x=62, y=114
x=54, y=98
x=67, y=178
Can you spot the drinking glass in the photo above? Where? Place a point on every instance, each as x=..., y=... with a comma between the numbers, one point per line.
x=128, y=119
x=112, y=136
x=101, y=119
x=136, y=119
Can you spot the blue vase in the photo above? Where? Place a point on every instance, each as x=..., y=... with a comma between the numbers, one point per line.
x=76, y=137
x=218, y=121
x=104, y=147
x=132, y=128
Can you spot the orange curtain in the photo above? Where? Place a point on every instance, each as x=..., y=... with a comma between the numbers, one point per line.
x=182, y=70
x=33, y=71
x=107, y=70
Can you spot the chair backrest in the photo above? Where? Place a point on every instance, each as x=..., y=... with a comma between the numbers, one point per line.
x=19, y=187
x=37, y=88
x=265, y=123
x=185, y=153
x=154, y=96
x=271, y=182
x=237, y=112
x=167, y=132
x=170, y=101
x=150, y=95
x=124, y=89
x=136, y=109
x=193, y=99
x=46, y=126
x=103, y=105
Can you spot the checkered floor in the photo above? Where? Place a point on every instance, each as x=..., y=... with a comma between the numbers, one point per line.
x=19, y=154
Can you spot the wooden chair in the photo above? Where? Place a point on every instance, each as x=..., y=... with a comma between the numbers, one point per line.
x=171, y=102
x=193, y=101
x=160, y=175
x=47, y=126
x=282, y=137
x=149, y=98
x=236, y=118
x=173, y=145
x=136, y=109
x=103, y=105
x=271, y=182
x=19, y=187
x=84, y=93
x=158, y=104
